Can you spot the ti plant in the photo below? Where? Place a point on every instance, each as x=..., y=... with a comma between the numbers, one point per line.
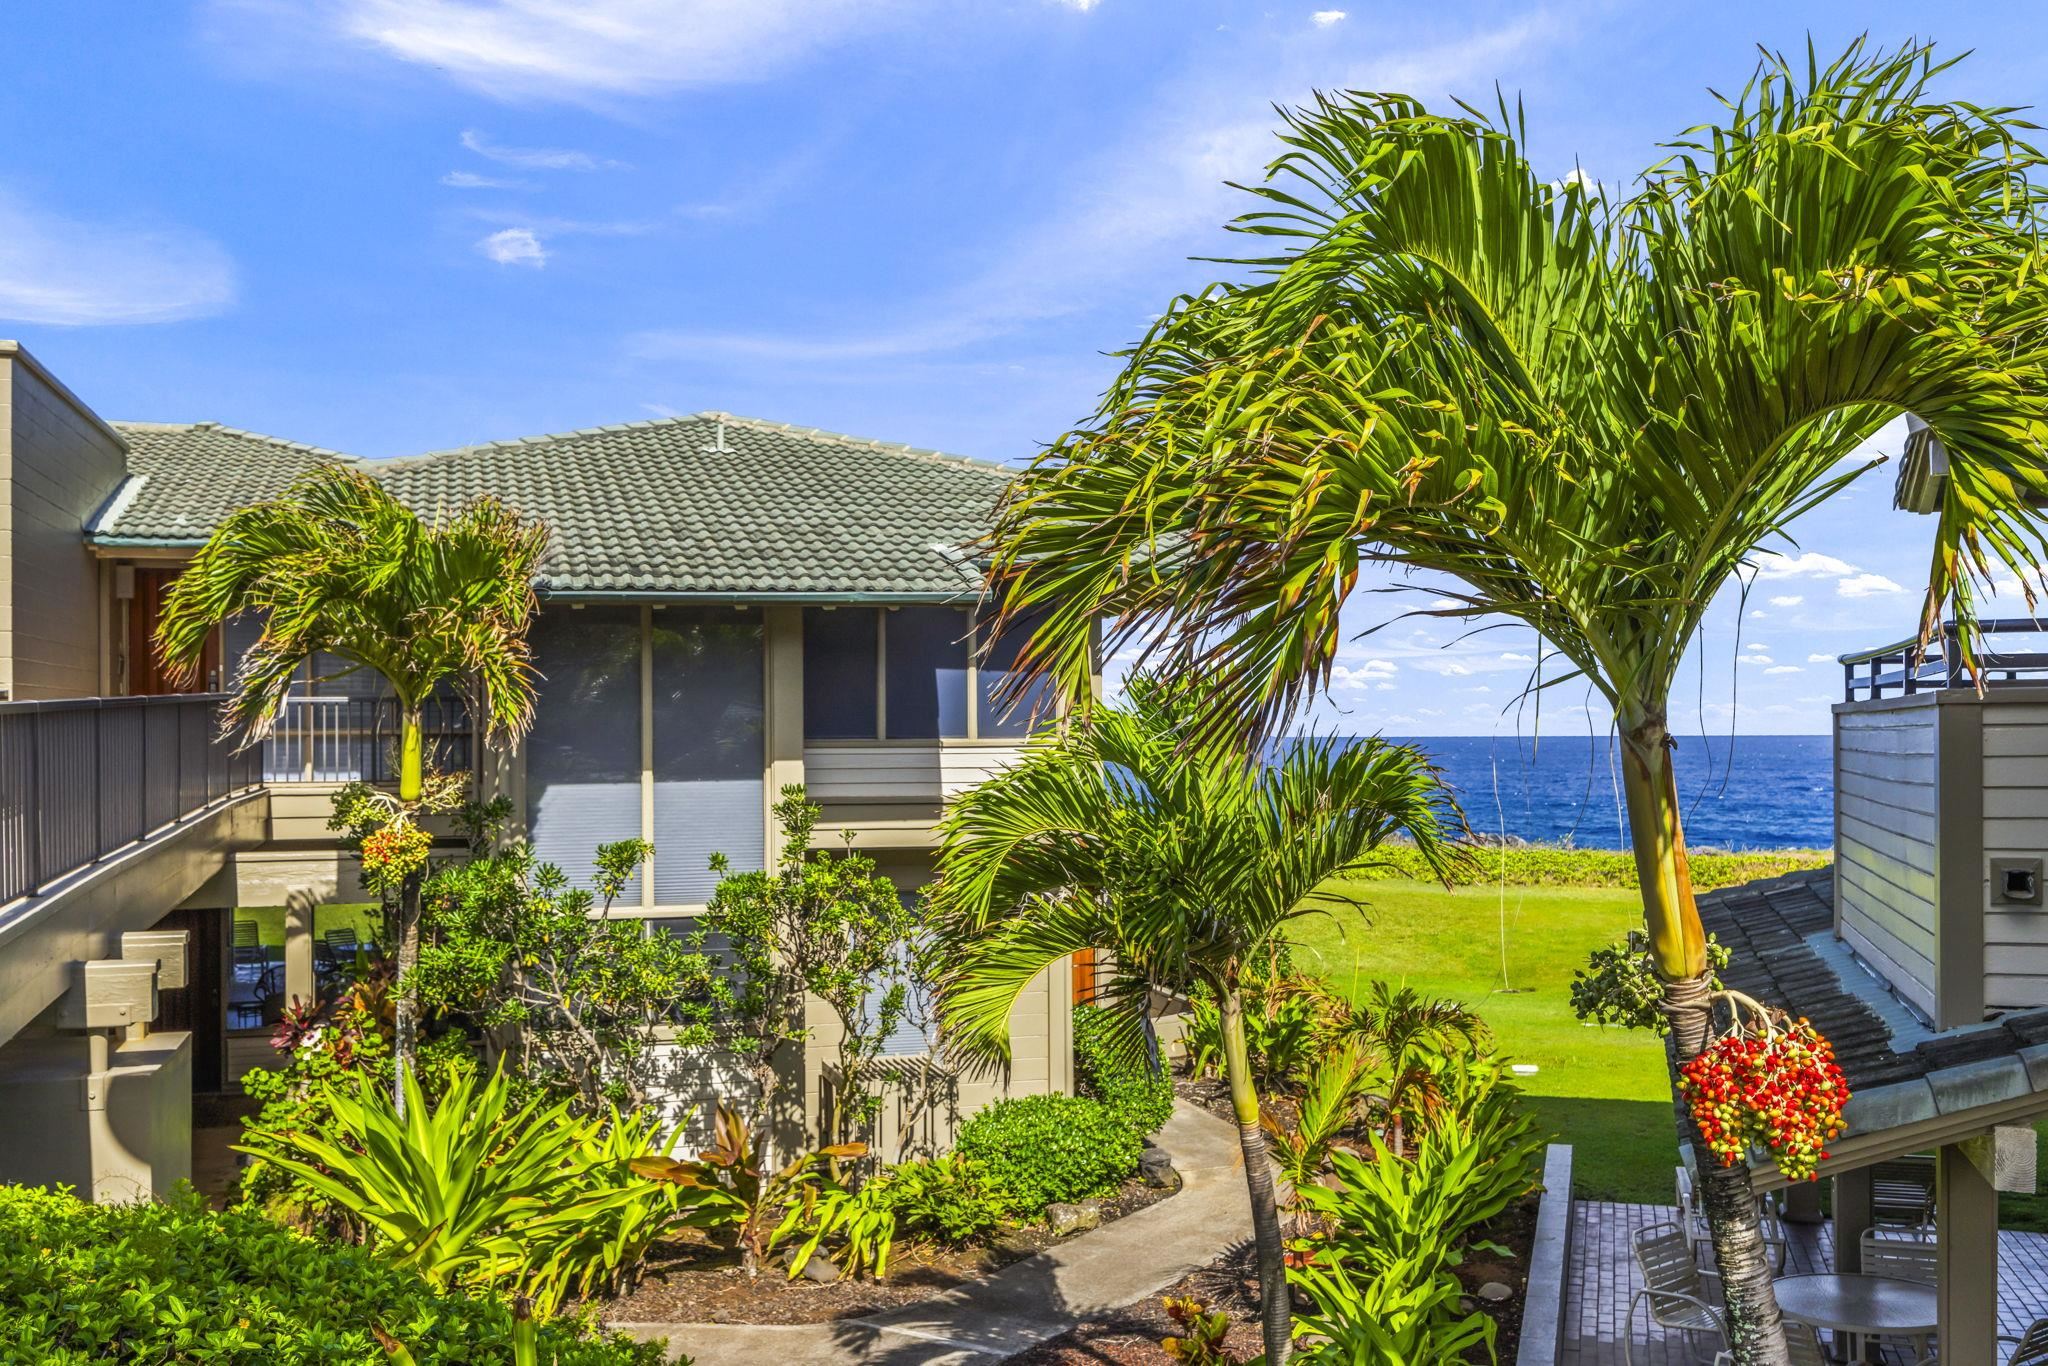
x=734, y=1189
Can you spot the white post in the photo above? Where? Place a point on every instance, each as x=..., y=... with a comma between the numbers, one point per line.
x=1966, y=1265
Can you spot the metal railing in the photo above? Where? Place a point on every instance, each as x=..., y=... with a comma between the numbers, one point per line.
x=85, y=777
x=342, y=739
x=1903, y=668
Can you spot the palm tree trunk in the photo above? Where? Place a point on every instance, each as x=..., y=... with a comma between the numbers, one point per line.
x=1276, y=1311
x=1678, y=946
x=405, y=1024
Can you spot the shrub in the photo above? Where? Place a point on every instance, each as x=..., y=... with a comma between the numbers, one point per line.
x=951, y=1198
x=176, y=1282
x=1042, y=1149
x=1134, y=1088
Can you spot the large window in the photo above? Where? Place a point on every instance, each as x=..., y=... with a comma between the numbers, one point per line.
x=841, y=645
x=927, y=673
x=583, y=753
x=1001, y=711
x=708, y=751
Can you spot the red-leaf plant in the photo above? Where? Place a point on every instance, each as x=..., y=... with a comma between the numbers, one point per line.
x=1767, y=1082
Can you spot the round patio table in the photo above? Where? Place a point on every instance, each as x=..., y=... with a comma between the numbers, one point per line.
x=1851, y=1303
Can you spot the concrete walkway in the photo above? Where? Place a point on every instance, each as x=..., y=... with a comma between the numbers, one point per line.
x=1029, y=1301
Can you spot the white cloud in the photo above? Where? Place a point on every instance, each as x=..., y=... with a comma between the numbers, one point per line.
x=70, y=273
x=536, y=158
x=514, y=247
x=1344, y=678
x=588, y=51
x=1785, y=669
x=470, y=180
x=1758, y=648
x=1754, y=659
x=1079, y=6
x=1818, y=658
x=1770, y=564
x=1582, y=178
x=1454, y=669
x=1866, y=585
x=1788, y=600
x=1385, y=687
x=1323, y=18
x=1510, y=657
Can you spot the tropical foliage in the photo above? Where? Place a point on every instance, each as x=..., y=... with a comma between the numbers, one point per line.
x=1587, y=413
x=1187, y=864
x=1043, y=1149
x=1138, y=1090
x=173, y=1281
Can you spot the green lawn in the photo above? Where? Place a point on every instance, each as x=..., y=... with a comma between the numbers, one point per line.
x=1601, y=1090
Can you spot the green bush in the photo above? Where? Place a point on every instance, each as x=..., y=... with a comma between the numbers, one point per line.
x=176, y=1282
x=951, y=1198
x=1043, y=1149
x=1132, y=1087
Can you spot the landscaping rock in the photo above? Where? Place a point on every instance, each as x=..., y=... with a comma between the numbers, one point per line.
x=1493, y=1292
x=1065, y=1219
x=1155, y=1168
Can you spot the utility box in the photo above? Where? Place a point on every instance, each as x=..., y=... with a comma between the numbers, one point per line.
x=168, y=949
x=109, y=994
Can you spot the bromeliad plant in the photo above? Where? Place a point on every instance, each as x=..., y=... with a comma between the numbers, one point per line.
x=1768, y=1087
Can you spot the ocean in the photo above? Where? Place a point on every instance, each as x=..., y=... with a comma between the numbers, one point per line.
x=1744, y=792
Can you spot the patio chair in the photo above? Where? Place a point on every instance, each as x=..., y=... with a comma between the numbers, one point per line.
x=1692, y=1216
x=1904, y=1255
x=1902, y=1191
x=1802, y=1344
x=342, y=943
x=2031, y=1347
x=1673, y=1285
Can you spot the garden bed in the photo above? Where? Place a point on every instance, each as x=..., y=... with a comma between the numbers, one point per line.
x=691, y=1280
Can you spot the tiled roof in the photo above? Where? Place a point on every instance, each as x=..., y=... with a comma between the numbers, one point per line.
x=1782, y=951
x=707, y=504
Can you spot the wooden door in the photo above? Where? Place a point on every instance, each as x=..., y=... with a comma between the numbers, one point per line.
x=146, y=674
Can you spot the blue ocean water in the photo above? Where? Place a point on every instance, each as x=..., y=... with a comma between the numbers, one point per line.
x=1741, y=792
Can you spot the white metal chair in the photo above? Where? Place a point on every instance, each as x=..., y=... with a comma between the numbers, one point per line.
x=1902, y=1191
x=1802, y=1344
x=1904, y=1255
x=1693, y=1217
x=1674, y=1286
x=2031, y=1347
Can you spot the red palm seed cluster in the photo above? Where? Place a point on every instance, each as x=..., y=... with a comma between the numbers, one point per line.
x=1782, y=1093
x=398, y=850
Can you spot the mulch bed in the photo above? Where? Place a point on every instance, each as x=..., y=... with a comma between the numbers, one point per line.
x=690, y=1280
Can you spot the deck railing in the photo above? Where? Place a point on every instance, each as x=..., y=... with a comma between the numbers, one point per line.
x=1905, y=667
x=83, y=778
x=342, y=739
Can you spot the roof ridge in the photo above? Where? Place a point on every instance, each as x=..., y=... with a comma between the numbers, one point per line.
x=707, y=415
x=298, y=447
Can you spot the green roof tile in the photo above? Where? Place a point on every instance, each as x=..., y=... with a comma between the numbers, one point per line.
x=706, y=504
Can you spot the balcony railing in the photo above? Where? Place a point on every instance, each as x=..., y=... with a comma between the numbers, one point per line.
x=83, y=778
x=342, y=739
x=1904, y=668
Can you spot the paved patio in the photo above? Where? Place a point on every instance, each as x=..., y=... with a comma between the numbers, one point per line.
x=1602, y=1279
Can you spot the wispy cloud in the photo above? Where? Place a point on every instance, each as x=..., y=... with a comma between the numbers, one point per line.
x=578, y=51
x=1323, y=18
x=537, y=158
x=1128, y=214
x=514, y=247
x=1818, y=658
x=1771, y=564
x=1788, y=600
x=68, y=272
x=1867, y=586
x=470, y=180
x=1785, y=669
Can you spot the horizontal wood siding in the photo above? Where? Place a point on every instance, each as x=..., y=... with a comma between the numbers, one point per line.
x=2015, y=826
x=1887, y=827
x=909, y=774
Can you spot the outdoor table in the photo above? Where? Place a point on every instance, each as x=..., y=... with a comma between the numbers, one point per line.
x=1867, y=1305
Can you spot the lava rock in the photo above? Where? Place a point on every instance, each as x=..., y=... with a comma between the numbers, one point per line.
x=1156, y=1170
x=1064, y=1219
x=1493, y=1292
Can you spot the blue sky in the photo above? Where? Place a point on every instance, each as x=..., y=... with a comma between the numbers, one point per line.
x=389, y=227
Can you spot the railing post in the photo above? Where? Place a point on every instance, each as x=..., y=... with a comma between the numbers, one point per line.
x=99, y=797
x=34, y=825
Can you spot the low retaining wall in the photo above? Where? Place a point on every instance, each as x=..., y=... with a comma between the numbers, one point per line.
x=1549, y=1256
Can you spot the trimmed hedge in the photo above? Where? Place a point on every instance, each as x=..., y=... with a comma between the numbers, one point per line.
x=1041, y=1149
x=1128, y=1086
x=177, y=1282
x=1548, y=866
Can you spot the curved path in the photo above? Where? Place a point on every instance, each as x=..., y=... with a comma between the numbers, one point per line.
x=1026, y=1302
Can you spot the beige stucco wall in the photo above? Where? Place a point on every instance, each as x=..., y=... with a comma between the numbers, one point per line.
x=59, y=463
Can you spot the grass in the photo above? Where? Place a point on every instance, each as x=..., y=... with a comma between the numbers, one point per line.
x=1603, y=1091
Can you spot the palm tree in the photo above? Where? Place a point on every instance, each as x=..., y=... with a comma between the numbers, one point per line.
x=339, y=567
x=1591, y=414
x=1186, y=865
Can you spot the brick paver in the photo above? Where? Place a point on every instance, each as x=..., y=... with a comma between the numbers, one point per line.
x=1601, y=1279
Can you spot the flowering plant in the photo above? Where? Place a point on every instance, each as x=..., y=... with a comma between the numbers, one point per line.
x=1778, y=1089
x=395, y=853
